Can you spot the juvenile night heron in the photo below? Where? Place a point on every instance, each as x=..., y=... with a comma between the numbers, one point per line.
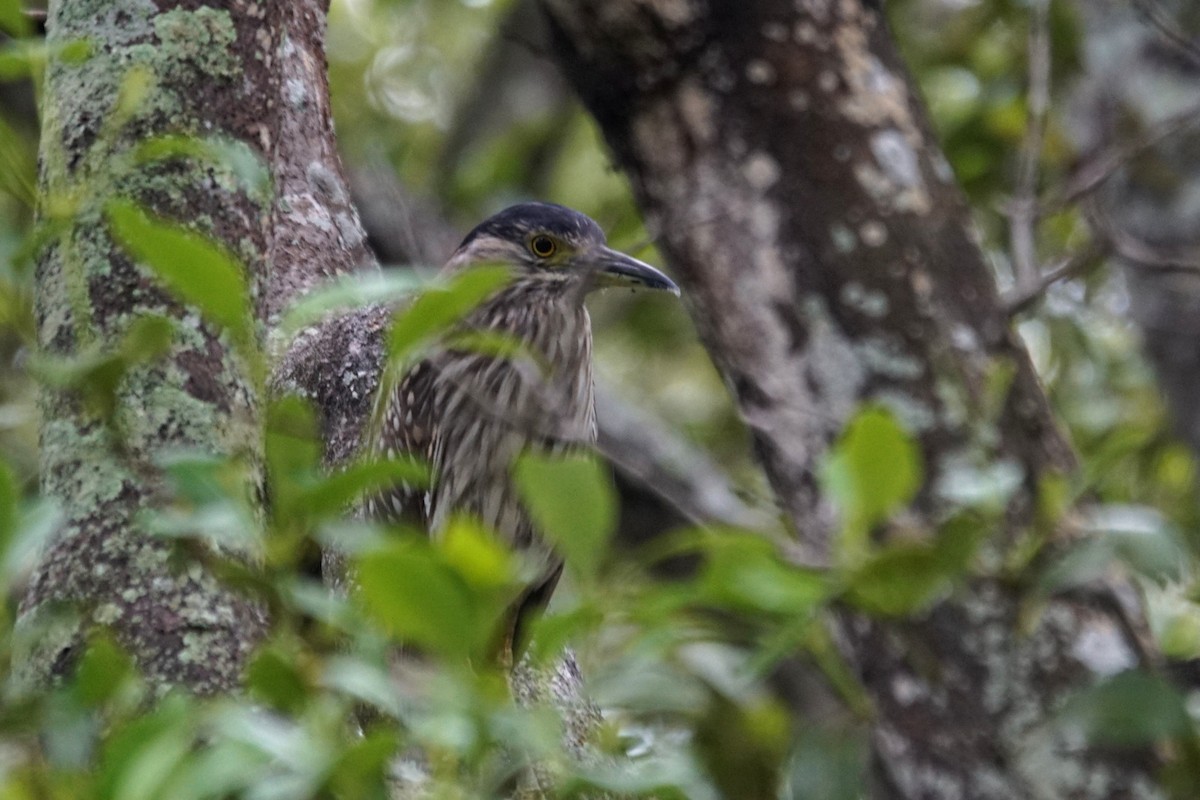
x=469, y=415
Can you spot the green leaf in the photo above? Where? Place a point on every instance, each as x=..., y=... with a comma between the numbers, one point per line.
x=147, y=338
x=1136, y=536
x=330, y=496
x=23, y=58
x=235, y=156
x=476, y=554
x=275, y=677
x=301, y=490
x=103, y=670
x=96, y=373
x=293, y=453
x=12, y=18
x=898, y=580
x=903, y=579
x=143, y=755
x=554, y=631
x=348, y=291
x=494, y=344
x=572, y=501
x=419, y=599
x=744, y=572
x=873, y=470
x=198, y=271
x=363, y=768
x=1129, y=709
x=36, y=525
x=9, y=498
x=1141, y=538
x=828, y=764
x=437, y=309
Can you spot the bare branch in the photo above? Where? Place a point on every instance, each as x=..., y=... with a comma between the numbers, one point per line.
x=1153, y=12
x=1137, y=252
x=1094, y=172
x=1020, y=299
x=1023, y=213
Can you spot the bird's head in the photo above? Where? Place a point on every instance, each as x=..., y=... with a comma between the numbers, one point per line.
x=554, y=244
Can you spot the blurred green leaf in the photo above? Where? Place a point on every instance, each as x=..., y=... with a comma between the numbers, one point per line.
x=494, y=344
x=197, y=270
x=572, y=501
x=745, y=572
x=303, y=491
x=1127, y=710
x=553, y=631
x=242, y=162
x=275, y=677
x=828, y=765
x=23, y=58
x=330, y=496
x=8, y=506
x=1136, y=536
x=98, y=374
x=743, y=747
x=103, y=670
x=37, y=523
x=363, y=769
x=438, y=308
x=366, y=682
x=874, y=469
x=293, y=451
x=219, y=771
x=348, y=291
x=421, y=600
x=476, y=554
x=140, y=757
x=12, y=18
x=902, y=579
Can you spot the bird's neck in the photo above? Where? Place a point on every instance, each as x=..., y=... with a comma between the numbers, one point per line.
x=551, y=319
x=554, y=324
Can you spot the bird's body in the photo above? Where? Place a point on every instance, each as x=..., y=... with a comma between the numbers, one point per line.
x=470, y=414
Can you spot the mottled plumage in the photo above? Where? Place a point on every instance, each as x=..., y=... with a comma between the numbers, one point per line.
x=470, y=415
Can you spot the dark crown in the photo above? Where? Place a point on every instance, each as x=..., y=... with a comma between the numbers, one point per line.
x=515, y=223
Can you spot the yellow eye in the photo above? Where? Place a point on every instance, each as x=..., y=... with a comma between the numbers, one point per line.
x=542, y=246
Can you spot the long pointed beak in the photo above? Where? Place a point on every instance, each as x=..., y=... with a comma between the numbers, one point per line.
x=614, y=268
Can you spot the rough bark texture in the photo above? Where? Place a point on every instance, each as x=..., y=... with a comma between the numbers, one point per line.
x=826, y=249
x=828, y=259
x=318, y=237
x=315, y=228
x=210, y=70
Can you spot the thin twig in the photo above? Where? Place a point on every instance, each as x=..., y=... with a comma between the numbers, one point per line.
x=1134, y=250
x=1102, y=166
x=1078, y=263
x=1153, y=12
x=1023, y=214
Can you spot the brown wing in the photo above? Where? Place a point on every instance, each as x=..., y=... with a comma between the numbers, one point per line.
x=409, y=430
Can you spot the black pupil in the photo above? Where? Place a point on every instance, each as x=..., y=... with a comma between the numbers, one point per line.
x=543, y=246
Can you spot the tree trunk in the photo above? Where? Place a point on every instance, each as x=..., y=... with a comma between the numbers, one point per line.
x=204, y=72
x=781, y=154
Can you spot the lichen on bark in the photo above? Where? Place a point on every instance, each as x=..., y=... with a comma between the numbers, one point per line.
x=150, y=71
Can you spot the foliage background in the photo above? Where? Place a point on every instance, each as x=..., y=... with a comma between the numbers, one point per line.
x=452, y=98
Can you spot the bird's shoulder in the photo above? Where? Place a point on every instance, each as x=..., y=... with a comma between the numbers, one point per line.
x=408, y=431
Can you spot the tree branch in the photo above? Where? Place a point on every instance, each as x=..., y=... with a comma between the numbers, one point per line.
x=1023, y=210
